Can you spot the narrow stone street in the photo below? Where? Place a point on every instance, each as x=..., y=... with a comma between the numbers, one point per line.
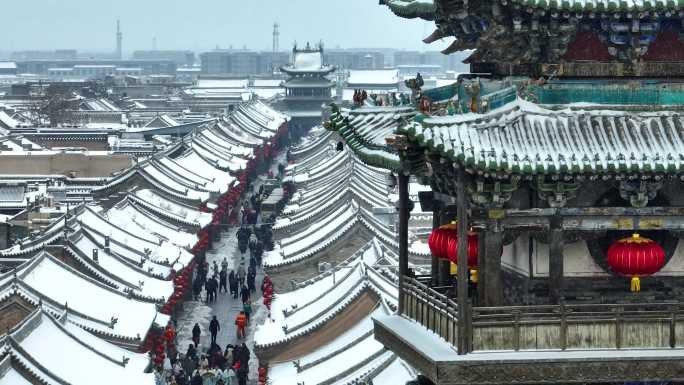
x=225, y=308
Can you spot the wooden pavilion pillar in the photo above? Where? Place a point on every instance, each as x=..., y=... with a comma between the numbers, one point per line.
x=493, y=247
x=403, y=181
x=464, y=338
x=556, y=244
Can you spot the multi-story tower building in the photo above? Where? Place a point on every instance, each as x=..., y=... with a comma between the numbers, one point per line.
x=308, y=90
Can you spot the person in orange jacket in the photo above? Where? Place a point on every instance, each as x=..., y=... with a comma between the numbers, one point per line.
x=241, y=322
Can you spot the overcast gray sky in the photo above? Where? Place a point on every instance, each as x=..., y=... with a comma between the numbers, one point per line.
x=204, y=24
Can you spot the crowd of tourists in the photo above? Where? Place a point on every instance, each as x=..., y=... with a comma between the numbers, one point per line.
x=229, y=365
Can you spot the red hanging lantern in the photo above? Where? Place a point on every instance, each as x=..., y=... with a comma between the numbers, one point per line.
x=435, y=242
x=636, y=256
x=438, y=241
x=452, y=249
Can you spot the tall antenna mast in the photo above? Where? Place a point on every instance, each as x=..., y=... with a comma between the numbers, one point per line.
x=119, y=41
x=276, y=38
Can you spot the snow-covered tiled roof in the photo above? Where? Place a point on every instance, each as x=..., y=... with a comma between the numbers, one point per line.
x=52, y=350
x=132, y=236
x=351, y=356
x=365, y=130
x=96, y=307
x=318, y=300
x=170, y=209
x=135, y=219
x=523, y=137
x=354, y=355
x=6, y=122
x=115, y=270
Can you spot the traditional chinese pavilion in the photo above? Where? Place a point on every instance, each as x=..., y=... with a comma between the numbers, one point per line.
x=308, y=87
x=556, y=170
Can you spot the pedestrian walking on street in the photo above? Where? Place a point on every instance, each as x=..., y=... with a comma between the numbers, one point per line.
x=233, y=282
x=192, y=354
x=207, y=289
x=223, y=277
x=214, y=328
x=247, y=308
x=244, y=356
x=228, y=355
x=213, y=282
x=251, y=284
x=244, y=293
x=217, y=360
x=242, y=376
x=241, y=323
x=224, y=264
x=236, y=356
x=241, y=274
x=258, y=253
x=196, y=289
x=196, y=333
x=189, y=364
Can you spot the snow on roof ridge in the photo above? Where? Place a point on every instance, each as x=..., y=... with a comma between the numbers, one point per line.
x=351, y=259
x=322, y=243
x=354, y=265
x=34, y=297
x=160, y=211
x=28, y=363
x=35, y=261
x=109, y=223
x=123, y=260
x=315, y=321
x=323, y=319
x=77, y=254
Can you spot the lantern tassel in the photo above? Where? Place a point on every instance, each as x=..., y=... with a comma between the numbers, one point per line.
x=635, y=285
x=473, y=275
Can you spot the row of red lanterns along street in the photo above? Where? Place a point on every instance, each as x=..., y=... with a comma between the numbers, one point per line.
x=633, y=257
x=268, y=293
x=182, y=279
x=181, y=285
x=164, y=342
x=263, y=375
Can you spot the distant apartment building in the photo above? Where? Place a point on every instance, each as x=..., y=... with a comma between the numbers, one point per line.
x=433, y=61
x=94, y=68
x=60, y=54
x=181, y=58
x=355, y=60
x=8, y=68
x=241, y=62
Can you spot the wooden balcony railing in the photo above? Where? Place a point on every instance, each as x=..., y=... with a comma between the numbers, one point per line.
x=431, y=309
x=547, y=327
x=580, y=326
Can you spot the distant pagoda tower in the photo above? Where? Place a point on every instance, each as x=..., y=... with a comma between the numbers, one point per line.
x=308, y=89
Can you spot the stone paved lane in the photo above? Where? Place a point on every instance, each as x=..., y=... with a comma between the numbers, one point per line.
x=225, y=308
